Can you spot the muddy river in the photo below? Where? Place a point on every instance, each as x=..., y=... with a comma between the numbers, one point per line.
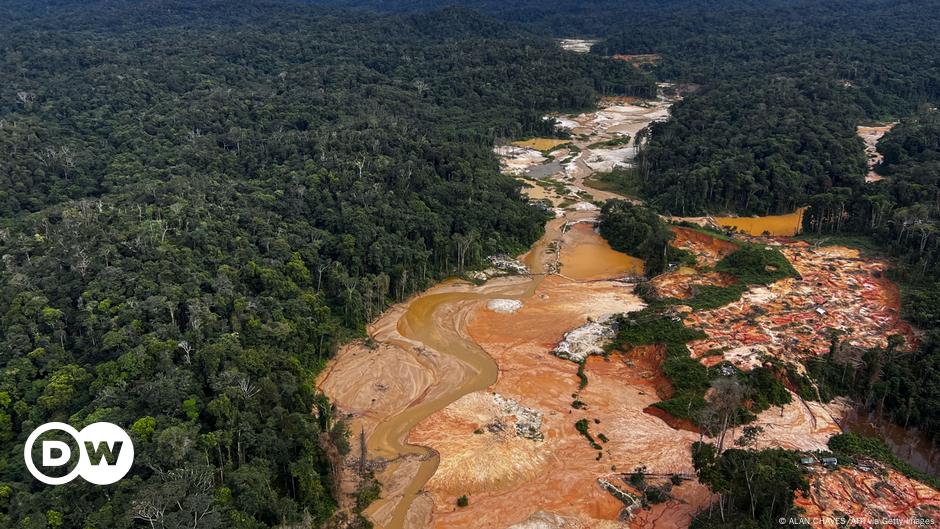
x=909, y=445
x=425, y=322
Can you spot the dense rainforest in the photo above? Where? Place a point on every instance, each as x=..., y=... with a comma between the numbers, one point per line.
x=201, y=201
x=779, y=87
x=772, y=126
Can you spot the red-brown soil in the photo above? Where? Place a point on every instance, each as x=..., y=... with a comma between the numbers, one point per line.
x=707, y=249
x=869, y=498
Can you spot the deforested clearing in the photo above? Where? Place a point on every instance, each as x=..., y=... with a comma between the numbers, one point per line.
x=639, y=59
x=870, y=135
x=577, y=45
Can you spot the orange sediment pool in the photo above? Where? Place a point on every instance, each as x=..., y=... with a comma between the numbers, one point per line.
x=776, y=225
x=587, y=257
x=540, y=144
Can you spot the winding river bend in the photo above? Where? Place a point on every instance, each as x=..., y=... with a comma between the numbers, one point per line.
x=423, y=323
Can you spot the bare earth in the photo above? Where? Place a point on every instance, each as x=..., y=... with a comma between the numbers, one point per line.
x=871, y=135
x=459, y=392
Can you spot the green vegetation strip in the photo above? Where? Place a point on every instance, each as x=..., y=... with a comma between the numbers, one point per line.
x=638, y=231
x=585, y=429
x=623, y=181
x=613, y=142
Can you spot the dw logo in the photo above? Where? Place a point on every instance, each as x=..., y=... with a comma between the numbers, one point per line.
x=105, y=453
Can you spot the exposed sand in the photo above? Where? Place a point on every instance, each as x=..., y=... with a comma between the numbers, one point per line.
x=504, y=305
x=689, y=498
x=708, y=250
x=616, y=117
x=516, y=160
x=683, y=282
x=535, y=191
x=792, y=318
x=520, y=343
x=479, y=446
x=577, y=45
x=871, y=135
x=417, y=367
x=798, y=425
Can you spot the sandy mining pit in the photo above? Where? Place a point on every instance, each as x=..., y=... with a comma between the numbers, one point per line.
x=799, y=425
x=793, y=318
x=516, y=160
x=423, y=376
x=682, y=283
x=616, y=117
x=557, y=474
x=790, y=319
x=871, y=135
x=540, y=144
x=708, y=250
x=461, y=394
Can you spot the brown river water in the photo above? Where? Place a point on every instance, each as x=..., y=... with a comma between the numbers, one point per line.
x=585, y=257
x=908, y=444
x=421, y=324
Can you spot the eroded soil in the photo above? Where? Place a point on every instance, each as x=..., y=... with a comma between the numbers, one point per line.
x=871, y=135
x=791, y=318
x=458, y=392
x=871, y=496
